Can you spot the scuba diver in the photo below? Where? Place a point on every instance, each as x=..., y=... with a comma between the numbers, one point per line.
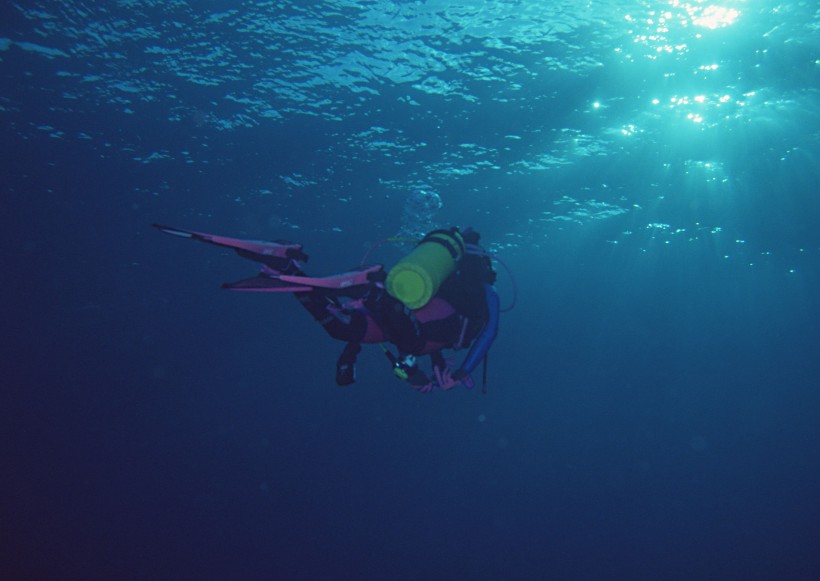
x=439, y=296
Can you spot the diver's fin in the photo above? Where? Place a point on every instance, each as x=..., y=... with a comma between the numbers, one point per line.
x=263, y=283
x=269, y=280
x=358, y=277
x=271, y=253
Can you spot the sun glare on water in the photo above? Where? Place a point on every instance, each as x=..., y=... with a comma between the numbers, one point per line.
x=715, y=17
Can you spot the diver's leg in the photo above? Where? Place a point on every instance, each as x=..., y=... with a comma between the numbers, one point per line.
x=339, y=324
x=382, y=318
x=345, y=325
x=397, y=322
x=346, y=364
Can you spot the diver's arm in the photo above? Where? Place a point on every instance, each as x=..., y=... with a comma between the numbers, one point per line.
x=485, y=339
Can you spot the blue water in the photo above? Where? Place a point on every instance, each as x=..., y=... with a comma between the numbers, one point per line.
x=647, y=169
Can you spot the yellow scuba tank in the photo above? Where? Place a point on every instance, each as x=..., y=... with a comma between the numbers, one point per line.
x=415, y=279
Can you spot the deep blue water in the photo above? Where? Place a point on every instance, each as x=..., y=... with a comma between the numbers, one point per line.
x=648, y=170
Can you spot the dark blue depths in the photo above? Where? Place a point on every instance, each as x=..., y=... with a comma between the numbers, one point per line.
x=652, y=401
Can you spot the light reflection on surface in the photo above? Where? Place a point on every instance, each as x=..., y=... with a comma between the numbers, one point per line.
x=672, y=32
x=666, y=31
x=713, y=107
x=715, y=17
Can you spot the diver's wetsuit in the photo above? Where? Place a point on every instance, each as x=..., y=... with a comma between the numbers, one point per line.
x=357, y=308
x=453, y=319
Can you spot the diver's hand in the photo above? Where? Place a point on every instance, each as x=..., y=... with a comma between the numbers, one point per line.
x=446, y=381
x=426, y=388
x=429, y=386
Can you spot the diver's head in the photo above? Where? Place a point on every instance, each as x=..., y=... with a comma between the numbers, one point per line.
x=470, y=236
